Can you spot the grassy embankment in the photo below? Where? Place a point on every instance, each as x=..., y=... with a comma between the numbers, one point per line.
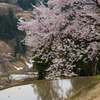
x=36, y=81
x=90, y=92
x=25, y=83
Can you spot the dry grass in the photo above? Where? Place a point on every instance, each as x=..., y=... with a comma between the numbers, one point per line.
x=4, y=8
x=90, y=92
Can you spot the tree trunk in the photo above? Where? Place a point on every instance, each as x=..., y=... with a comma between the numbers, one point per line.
x=95, y=67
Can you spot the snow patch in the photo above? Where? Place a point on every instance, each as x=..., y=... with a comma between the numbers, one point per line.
x=31, y=61
x=30, y=65
x=18, y=68
x=9, y=53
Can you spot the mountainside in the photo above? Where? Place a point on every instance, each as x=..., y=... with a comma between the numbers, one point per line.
x=10, y=48
x=8, y=62
x=4, y=7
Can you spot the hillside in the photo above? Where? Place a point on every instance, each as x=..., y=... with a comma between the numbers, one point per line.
x=7, y=48
x=8, y=62
x=90, y=92
x=90, y=95
x=5, y=7
x=18, y=12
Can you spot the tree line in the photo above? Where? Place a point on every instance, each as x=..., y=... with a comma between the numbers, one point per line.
x=9, y=31
x=24, y=4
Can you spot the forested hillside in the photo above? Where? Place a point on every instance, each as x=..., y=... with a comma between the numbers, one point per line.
x=27, y=4
x=24, y=4
x=13, y=51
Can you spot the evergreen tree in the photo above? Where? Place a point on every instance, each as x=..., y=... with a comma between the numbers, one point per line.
x=17, y=47
x=26, y=4
x=23, y=48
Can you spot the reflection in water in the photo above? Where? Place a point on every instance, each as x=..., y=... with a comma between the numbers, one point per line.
x=80, y=83
x=45, y=90
x=53, y=90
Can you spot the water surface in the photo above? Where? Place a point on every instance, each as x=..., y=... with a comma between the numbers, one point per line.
x=45, y=90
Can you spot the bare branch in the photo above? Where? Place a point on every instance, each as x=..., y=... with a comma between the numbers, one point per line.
x=97, y=3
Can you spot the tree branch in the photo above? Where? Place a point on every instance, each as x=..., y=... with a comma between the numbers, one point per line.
x=96, y=2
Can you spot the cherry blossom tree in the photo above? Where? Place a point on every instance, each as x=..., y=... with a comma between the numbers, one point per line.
x=62, y=33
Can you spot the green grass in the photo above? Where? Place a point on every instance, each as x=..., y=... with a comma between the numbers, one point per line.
x=98, y=77
x=77, y=77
